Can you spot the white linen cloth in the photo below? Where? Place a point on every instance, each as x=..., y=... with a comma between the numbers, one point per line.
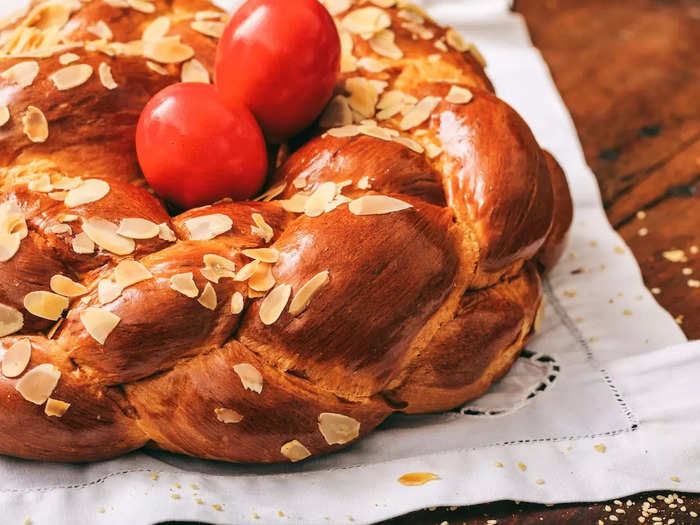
x=629, y=382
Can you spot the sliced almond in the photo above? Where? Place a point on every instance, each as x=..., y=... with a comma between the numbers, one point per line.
x=22, y=73
x=266, y=255
x=46, y=305
x=35, y=125
x=318, y=201
x=106, y=77
x=419, y=113
x=383, y=43
x=335, y=7
x=262, y=229
x=345, y=131
x=42, y=183
x=99, y=323
x=274, y=303
x=16, y=359
x=104, y=234
x=367, y=20
x=142, y=6
x=9, y=245
x=237, y=303
x=49, y=15
x=251, y=378
x=273, y=192
x=371, y=64
x=59, y=229
x=208, y=227
x=156, y=29
x=217, y=267
x=71, y=76
x=128, y=273
x=167, y=50
x=306, y=293
x=410, y=144
x=459, y=95
x=263, y=279
x=295, y=451
x=338, y=429
x=208, y=298
x=4, y=115
x=364, y=183
x=208, y=15
x=11, y=320
x=184, y=283
x=82, y=244
x=37, y=385
x=136, y=228
x=377, y=205
x=456, y=41
x=227, y=415
x=194, y=71
x=91, y=190
x=101, y=30
x=363, y=96
x=337, y=113
x=108, y=290
x=156, y=67
x=433, y=150
x=67, y=287
x=208, y=27
x=58, y=195
x=247, y=271
x=56, y=408
x=296, y=203
x=166, y=233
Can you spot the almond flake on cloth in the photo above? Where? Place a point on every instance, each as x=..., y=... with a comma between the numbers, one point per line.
x=206, y=227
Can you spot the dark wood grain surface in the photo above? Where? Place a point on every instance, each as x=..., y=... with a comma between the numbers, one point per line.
x=629, y=72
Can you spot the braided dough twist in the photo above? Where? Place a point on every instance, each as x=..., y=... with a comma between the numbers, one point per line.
x=395, y=262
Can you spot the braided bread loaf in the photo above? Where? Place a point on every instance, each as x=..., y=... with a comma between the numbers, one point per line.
x=392, y=266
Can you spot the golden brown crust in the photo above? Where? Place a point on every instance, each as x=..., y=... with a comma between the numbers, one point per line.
x=351, y=315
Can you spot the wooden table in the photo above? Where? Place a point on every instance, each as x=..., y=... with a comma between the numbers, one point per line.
x=629, y=72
